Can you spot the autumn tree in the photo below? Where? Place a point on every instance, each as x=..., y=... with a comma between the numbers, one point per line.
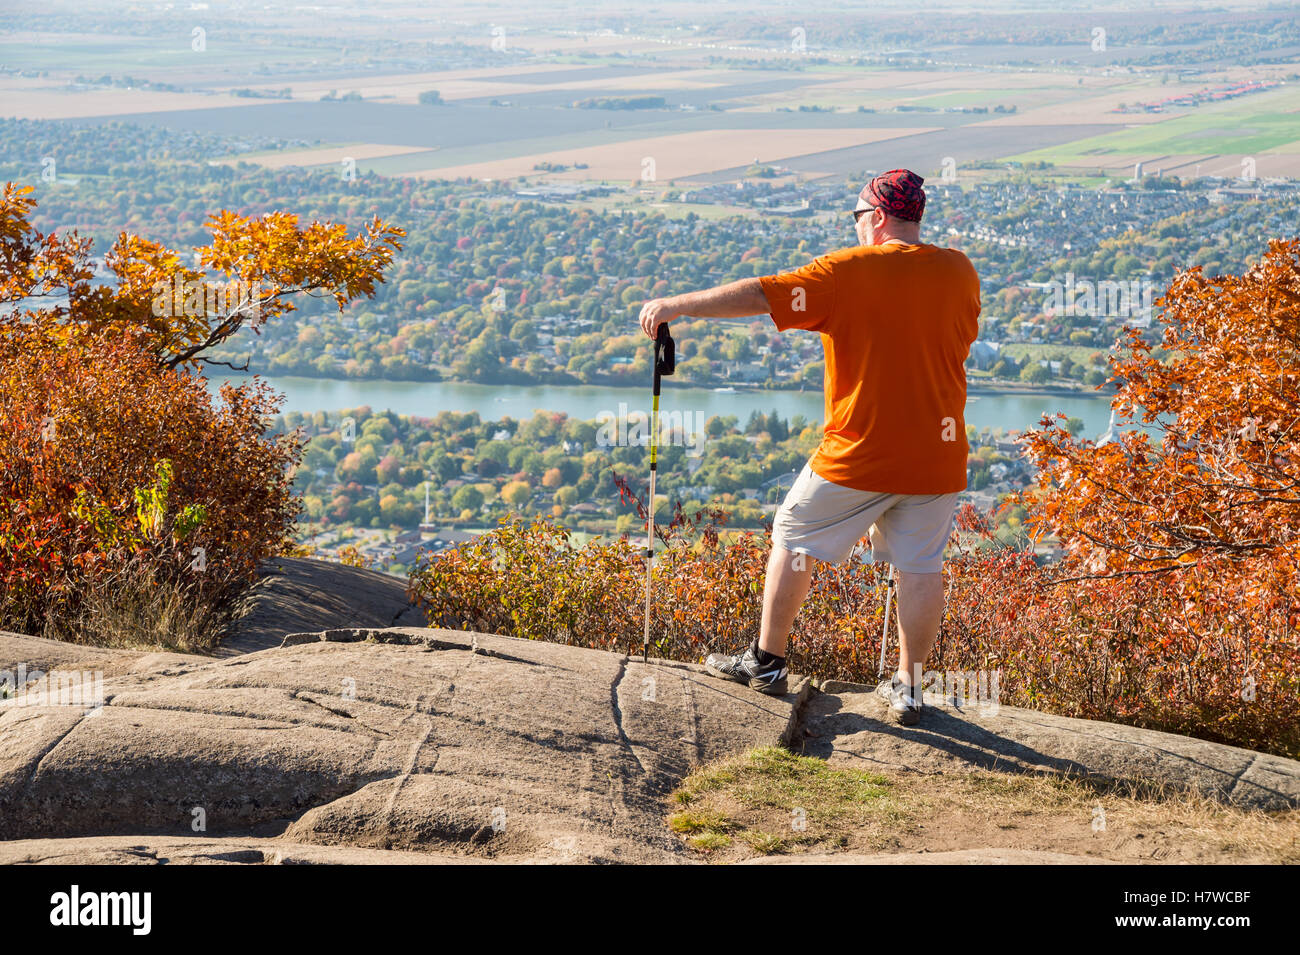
x=1220, y=477
x=127, y=493
x=1188, y=530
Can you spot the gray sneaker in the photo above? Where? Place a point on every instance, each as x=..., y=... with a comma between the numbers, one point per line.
x=744, y=668
x=905, y=707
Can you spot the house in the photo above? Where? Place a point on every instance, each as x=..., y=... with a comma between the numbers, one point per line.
x=747, y=372
x=984, y=354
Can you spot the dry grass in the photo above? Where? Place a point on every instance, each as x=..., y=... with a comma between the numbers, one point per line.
x=1134, y=820
x=136, y=608
x=748, y=805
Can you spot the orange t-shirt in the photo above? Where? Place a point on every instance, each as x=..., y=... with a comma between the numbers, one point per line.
x=896, y=323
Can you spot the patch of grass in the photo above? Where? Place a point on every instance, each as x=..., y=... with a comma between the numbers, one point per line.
x=770, y=777
x=709, y=841
x=136, y=607
x=695, y=821
x=773, y=801
x=764, y=843
x=769, y=801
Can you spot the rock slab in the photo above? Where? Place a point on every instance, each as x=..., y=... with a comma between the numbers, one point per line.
x=847, y=723
x=404, y=738
x=297, y=594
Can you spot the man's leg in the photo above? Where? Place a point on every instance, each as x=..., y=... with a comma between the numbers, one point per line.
x=920, y=611
x=818, y=515
x=762, y=664
x=786, y=586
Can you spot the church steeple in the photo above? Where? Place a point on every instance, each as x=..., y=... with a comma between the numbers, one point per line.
x=1109, y=435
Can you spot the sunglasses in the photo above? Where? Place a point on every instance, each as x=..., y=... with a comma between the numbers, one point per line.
x=859, y=213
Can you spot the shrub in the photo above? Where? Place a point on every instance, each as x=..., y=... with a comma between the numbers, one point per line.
x=115, y=470
x=1095, y=651
x=1182, y=546
x=133, y=507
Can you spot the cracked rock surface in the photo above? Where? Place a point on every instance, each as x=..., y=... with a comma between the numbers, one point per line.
x=327, y=731
x=397, y=739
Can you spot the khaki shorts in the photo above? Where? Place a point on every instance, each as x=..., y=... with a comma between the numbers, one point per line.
x=825, y=520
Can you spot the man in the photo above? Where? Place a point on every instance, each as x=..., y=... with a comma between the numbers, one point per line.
x=896, y=317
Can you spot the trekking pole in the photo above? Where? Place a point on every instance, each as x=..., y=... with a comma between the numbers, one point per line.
x=665, y=363
x=884, y=630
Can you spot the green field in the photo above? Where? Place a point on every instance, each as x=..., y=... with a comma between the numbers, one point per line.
x=1258, y=124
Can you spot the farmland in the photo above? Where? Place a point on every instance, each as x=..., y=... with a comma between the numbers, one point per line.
x=822, y=101
x=1213, y=138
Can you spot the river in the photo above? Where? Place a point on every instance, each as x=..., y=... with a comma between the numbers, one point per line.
x=493, y=402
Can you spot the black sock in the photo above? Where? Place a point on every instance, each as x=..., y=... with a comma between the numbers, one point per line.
x=765, y=658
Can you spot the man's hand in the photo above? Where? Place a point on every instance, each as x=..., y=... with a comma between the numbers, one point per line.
x=656, y=312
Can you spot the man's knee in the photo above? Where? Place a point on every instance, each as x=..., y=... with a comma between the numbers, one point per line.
x=793, y=561
x=926, y=579
x=920, y=589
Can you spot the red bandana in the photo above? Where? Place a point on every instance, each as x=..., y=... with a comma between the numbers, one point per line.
x=898, y=192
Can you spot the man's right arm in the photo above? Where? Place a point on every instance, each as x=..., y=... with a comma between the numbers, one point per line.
x=733, y=300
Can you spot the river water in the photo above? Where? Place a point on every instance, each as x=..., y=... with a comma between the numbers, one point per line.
x=588, y=402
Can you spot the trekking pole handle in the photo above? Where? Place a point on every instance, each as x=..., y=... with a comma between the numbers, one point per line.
x=665, y=354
